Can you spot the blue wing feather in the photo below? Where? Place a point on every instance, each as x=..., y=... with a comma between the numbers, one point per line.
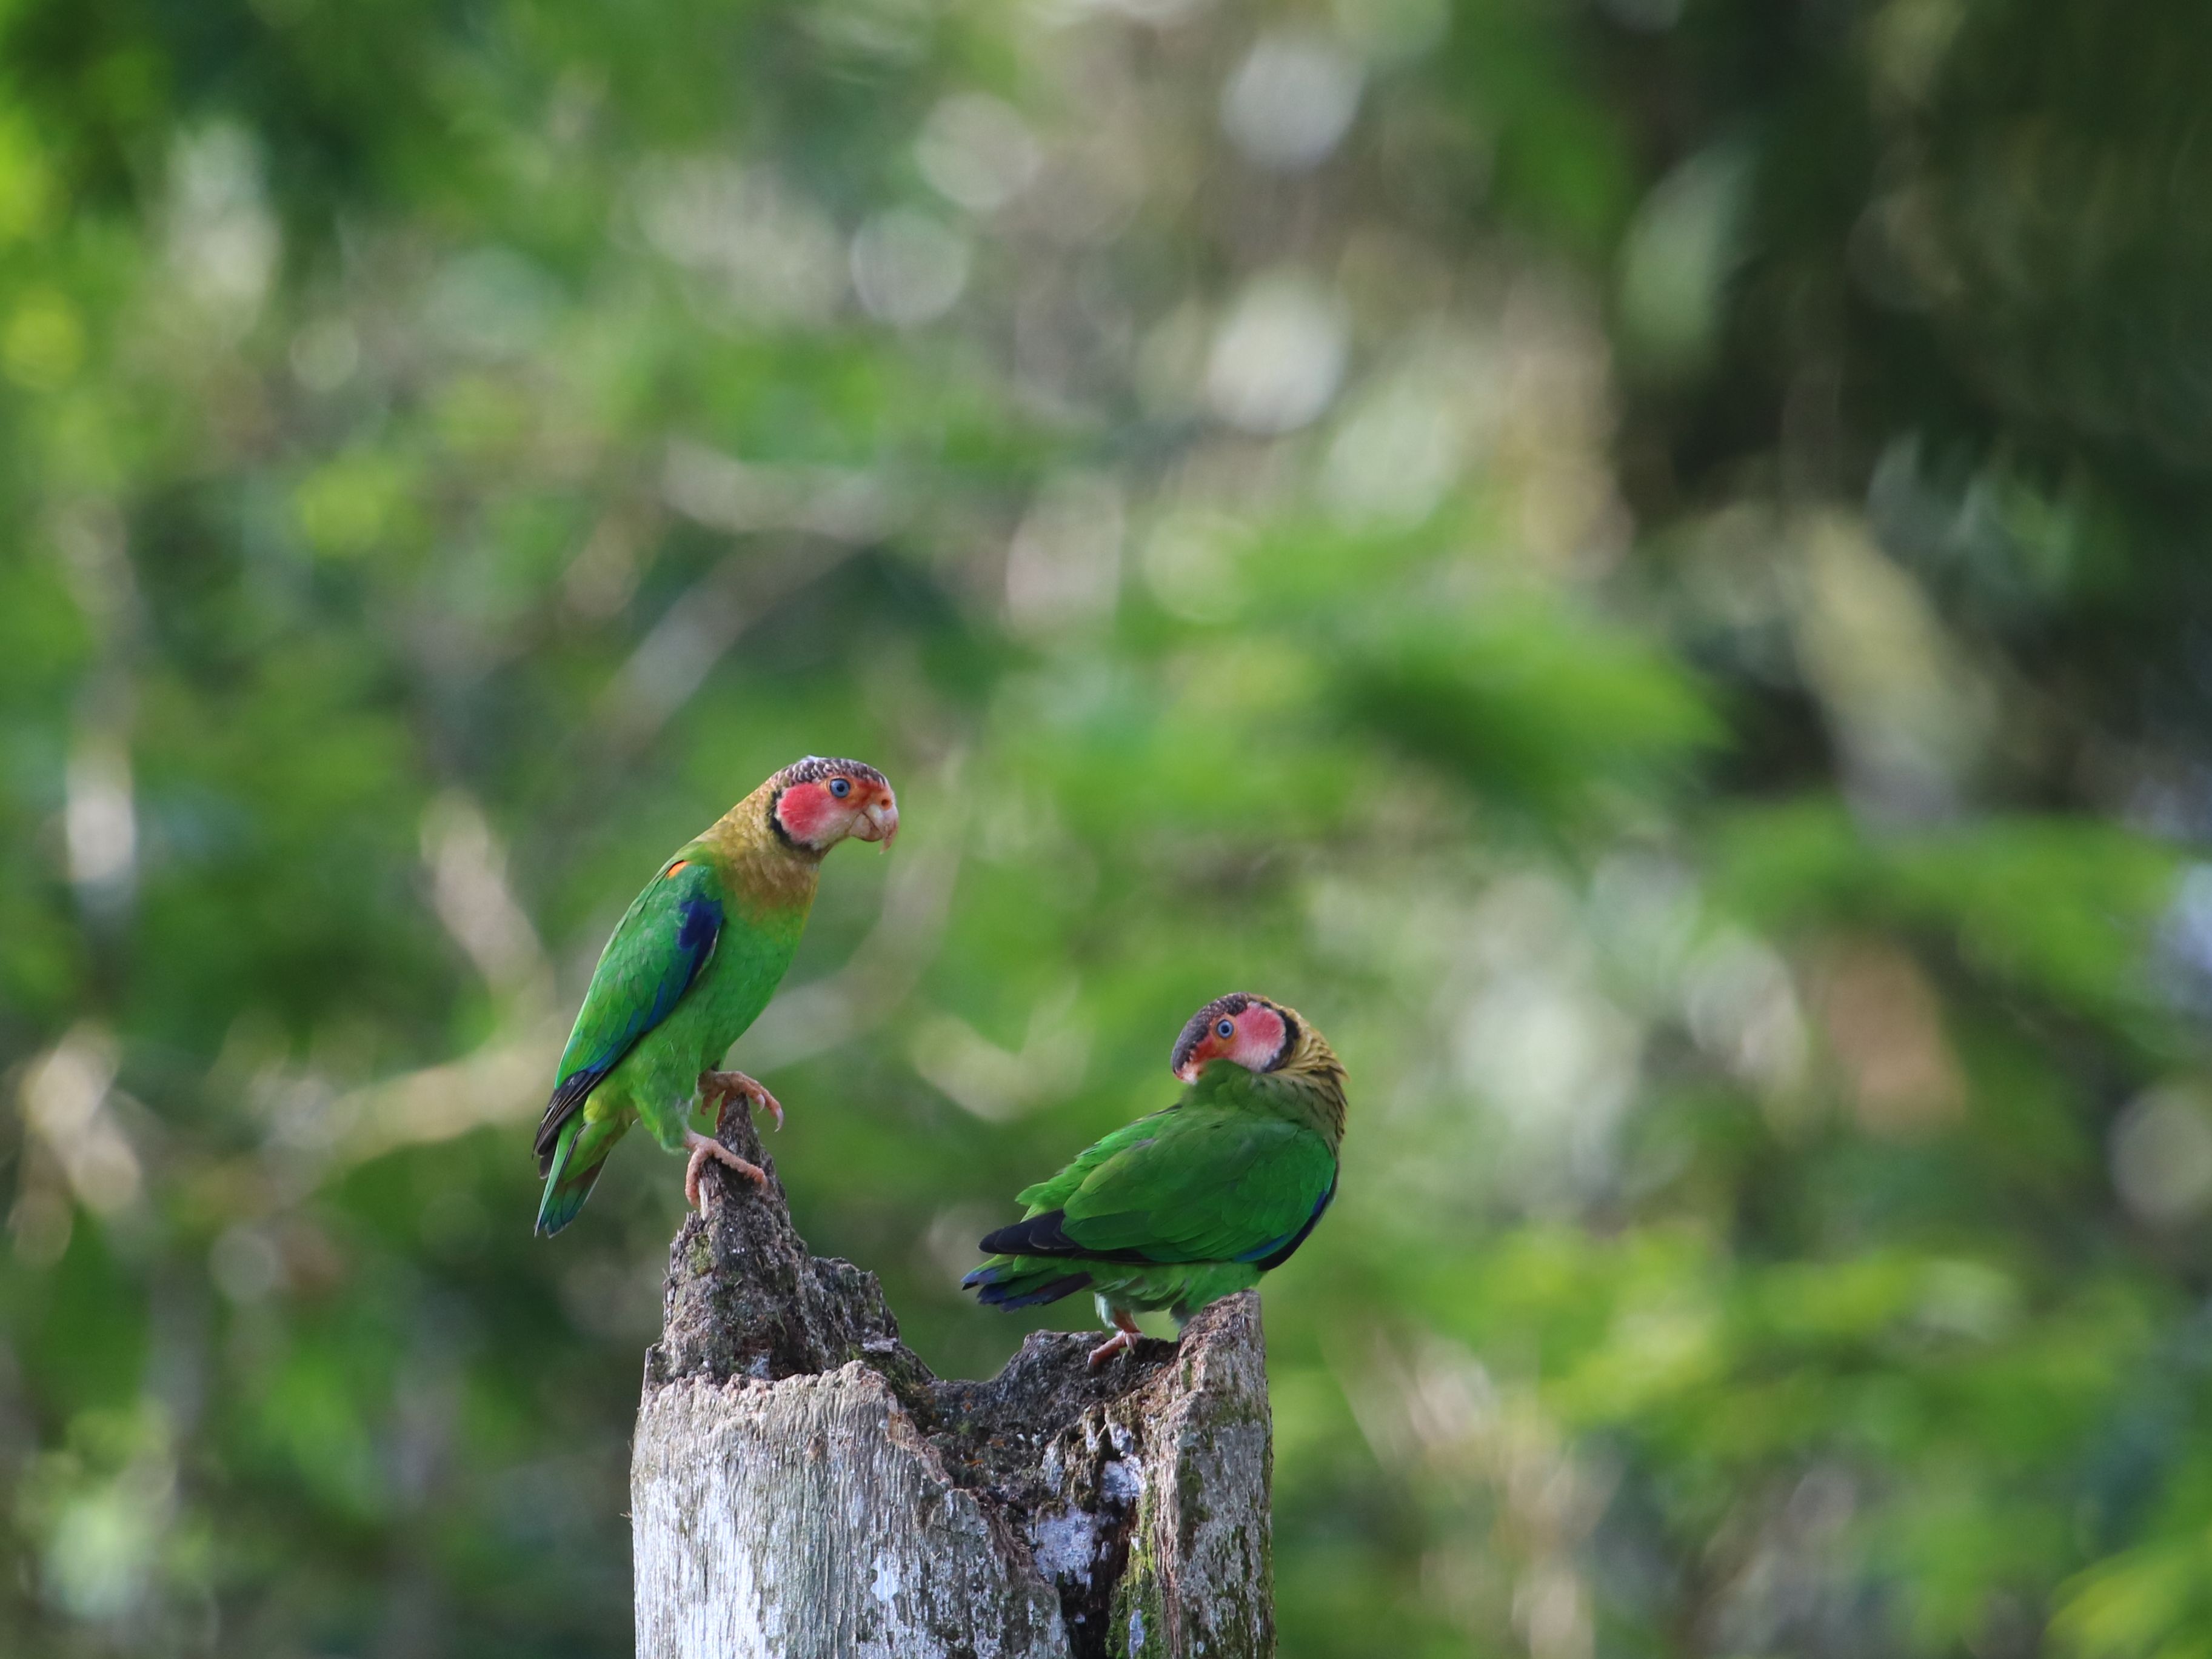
x=698, y=927
x=671, y=931
x=1276, y=1251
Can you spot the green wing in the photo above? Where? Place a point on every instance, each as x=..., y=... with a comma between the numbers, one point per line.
x=1051, y=1193
x=1209, y=1185
x=658, y=949
x=1200, y=1181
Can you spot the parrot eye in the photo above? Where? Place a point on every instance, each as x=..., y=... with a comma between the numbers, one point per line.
x=1225, y=1030
x=841, y=787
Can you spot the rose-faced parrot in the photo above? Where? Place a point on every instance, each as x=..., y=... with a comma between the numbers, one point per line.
x=1195, y=1202
x=690, y=966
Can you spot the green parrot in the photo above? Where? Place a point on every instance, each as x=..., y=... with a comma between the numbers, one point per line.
x=1195, y=1202
x=690, y=966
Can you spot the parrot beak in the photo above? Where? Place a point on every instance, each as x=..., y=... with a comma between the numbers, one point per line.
x=1189, y=1070
x=880, y=822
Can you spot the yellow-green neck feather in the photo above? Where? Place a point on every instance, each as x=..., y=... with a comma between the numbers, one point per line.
x=1311, y=1081
x=763, y=867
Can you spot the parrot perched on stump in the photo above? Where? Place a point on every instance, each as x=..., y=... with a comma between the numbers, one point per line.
x=1194, y=1202
x=691, y=966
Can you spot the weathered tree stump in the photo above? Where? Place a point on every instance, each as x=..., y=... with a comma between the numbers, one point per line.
x=801, y=1485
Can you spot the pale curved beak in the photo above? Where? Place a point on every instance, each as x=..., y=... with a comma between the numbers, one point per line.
x=878, y=822
x=1189, y=1070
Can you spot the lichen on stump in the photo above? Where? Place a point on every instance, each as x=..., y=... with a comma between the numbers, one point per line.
x=802, y=1487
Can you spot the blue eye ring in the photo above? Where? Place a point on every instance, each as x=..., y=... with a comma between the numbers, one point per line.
x=1225, y=1029
x=841, y=787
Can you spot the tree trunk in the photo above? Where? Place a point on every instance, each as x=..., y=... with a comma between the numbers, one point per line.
x=801, y=1486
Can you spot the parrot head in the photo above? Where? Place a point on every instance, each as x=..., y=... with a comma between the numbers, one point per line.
x=1242, y=1028
x=817, y=803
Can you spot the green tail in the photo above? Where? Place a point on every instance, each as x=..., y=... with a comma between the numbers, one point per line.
x=578, y=1157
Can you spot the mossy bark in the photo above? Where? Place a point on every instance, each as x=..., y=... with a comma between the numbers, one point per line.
x=802, y=1485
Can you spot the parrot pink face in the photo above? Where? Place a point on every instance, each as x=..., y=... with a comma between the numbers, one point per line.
x=818, y=803
x=1244, y=1030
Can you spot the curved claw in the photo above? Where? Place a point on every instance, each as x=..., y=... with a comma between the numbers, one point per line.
x=1123, y=1340
x=720, y=1086
x=702, y=1149
x=1112, y=1345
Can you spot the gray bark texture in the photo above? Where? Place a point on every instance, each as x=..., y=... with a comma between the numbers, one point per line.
x=802, y=1487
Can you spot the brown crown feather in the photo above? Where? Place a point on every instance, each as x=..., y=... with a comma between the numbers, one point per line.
x=816, y=768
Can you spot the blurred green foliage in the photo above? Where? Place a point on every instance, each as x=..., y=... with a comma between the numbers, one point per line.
x=1642, y=561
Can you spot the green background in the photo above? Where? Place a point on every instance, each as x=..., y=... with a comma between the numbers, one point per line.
x=1642, y=563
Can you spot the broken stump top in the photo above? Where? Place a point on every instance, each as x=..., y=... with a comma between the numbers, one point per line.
x=1137, y=1491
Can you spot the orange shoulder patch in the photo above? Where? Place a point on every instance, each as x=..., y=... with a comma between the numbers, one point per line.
x=680, y=864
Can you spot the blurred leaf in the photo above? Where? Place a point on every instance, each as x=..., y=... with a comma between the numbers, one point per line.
x=1538, y=713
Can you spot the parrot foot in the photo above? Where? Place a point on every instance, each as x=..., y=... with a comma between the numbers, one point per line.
x=721, y=1086
x=701, y=1149
x=1124, y=1338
